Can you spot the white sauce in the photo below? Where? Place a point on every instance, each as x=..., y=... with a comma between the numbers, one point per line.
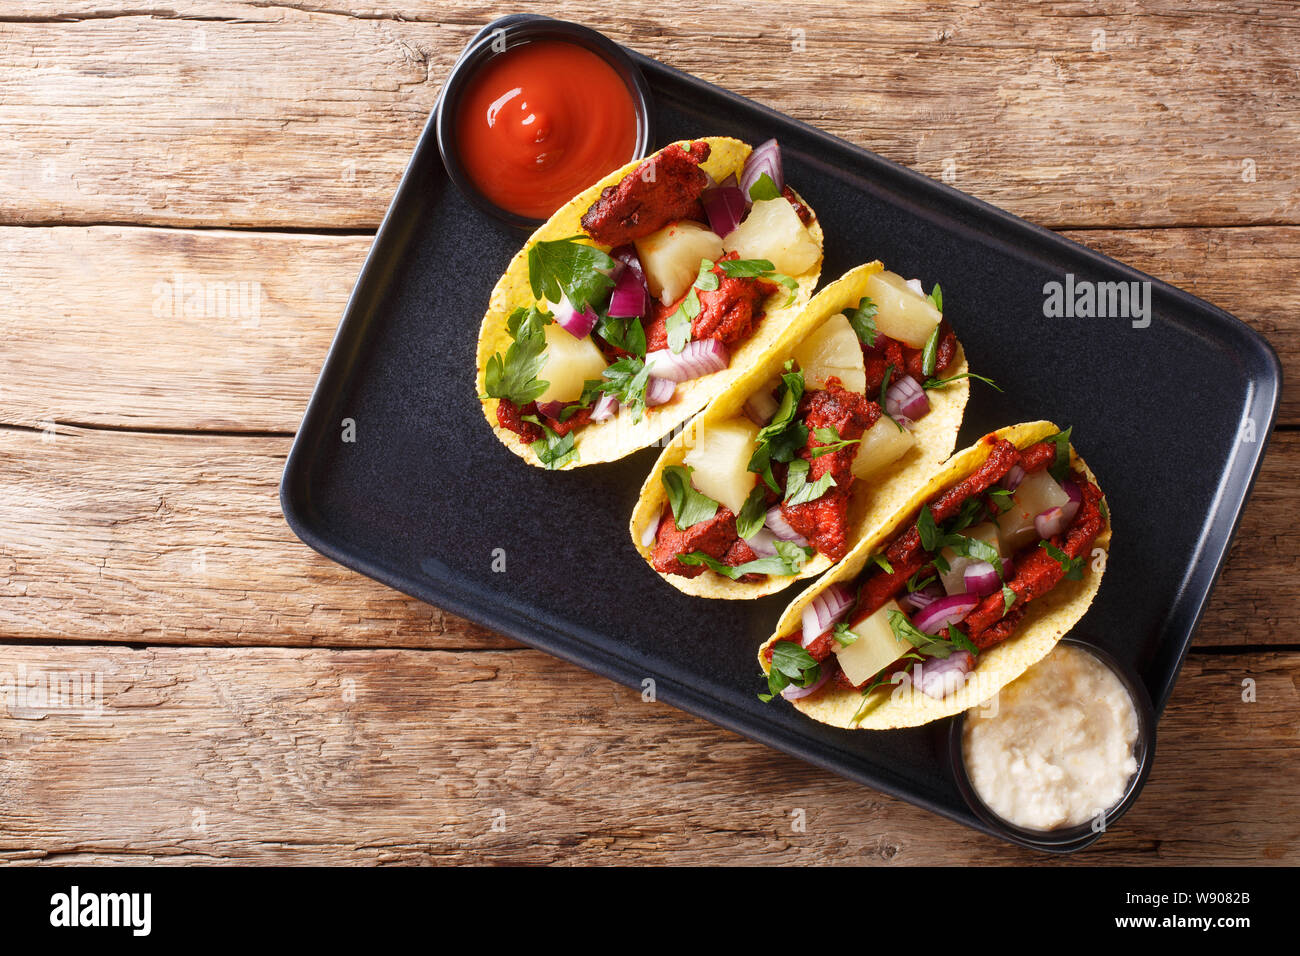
x=1058, y=749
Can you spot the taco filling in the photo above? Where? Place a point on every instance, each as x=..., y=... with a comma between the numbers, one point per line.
x=955, y=583
x=671, y=274
x=762, y=493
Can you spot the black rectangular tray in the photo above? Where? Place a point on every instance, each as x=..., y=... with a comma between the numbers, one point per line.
x=425, y=494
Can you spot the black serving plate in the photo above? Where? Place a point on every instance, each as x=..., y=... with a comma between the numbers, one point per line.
x=425, y=494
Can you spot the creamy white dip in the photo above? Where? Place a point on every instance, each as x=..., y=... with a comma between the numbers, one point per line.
x=1058, y=748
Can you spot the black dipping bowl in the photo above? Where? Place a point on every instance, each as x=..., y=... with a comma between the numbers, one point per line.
x=506, y=37
x=1068, y=839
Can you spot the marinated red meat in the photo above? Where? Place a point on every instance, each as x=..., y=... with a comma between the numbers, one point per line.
x=730, y=312
x=877, y=358
x=664, y=187
x=714, y=537
x=510, y=417
x=803, y=212
x=945, y=351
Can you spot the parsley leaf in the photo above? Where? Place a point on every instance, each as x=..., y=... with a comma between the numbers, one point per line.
x=514, y=377
x=883, y=562
x=843, y=635
x=553, y=450
x=571, y=269
x=689, y=506
x=763, y=188
x=791, y=664
x=679, y=323
x=933, y=383
x=799, y=490
x=626, y=334
x=789, y=559
x=1060, y=467
x=936, y=300
x=931, y=351
x=831, y=441
x=863, y=320
x=1008, y=599
x=1073, y=567
x=626, y=380
x=905, y=630
x=782, y=437
x=759, y=269
x=752, y=514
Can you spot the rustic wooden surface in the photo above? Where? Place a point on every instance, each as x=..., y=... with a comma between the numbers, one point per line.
x=261, y=704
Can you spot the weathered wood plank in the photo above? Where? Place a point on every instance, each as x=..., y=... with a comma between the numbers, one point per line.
x=268, y=305
x=404, y=757
x=178, y=539
x=1067, y=113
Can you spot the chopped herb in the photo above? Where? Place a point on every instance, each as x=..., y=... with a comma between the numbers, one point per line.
x=763, y=188
x=626, y=380
x=791, y=664
x=962, y=641
x=514, y=378
x=782, y=437
x=905, y=630
x=1073, y=567
x=1008, y=599
x=689, y=506
x=1060, y=467
x=932, y=383
x=936, y=300
x=789, y=559
x=914, y=585
x=799, y=490
x=569, y=268
x=626, y=334
x=679, y=323
x=882, y=562
x=552, y=450
x=831, y=441
x=1000, y=499
x=1105, y=511
x=753, y=513
x=843, y=635
x=930, y=352
x=863, y=320
x=759, y=269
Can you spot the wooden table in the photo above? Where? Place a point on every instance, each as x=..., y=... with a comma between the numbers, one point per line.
x=261, y=704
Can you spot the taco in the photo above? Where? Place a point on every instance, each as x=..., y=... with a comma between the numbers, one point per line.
x=956, y=595
x=641, y=299
x=830, y=432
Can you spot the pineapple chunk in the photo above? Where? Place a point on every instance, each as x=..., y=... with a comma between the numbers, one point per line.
x=720, y=458
x=833, y=349
x=569, y=364
x=1038, y=492
x=671, y=257
x=876, y=647
x=882, y=444
x=954, y=579
x=901, y=313
x=772, y=231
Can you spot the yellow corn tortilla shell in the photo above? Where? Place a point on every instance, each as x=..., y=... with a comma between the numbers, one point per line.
x=870, y=501
x=1047, y=619
x=620, y=436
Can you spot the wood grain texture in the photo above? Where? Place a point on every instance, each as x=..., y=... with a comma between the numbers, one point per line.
x=106, y=297
x=411, y=757
x=178, y=539
x=265, y=114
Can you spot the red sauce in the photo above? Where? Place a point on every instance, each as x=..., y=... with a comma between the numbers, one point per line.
x=542, y=121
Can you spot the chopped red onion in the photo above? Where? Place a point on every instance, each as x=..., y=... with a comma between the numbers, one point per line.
x=629, y=297
x=923, y=598
x=766, y=158
x=651, y=530
x=760, y=407
x=1054, y=521
x=795, y=692
x=659, y=390
x=1012, y=479
x=763, y=543
x=906, y=399
x=694, y=360
x=944, y=612
x=606, y=407
x=628, y=257
x=725, y=206
x=577, y=324
x=824, y=610
x=981, y=578
x=938, y=678
x=551, y=409
x=781, y=528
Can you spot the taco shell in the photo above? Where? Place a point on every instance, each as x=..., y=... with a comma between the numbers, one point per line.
x=1047, y=619
x=872, y=500
x=619, y=436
